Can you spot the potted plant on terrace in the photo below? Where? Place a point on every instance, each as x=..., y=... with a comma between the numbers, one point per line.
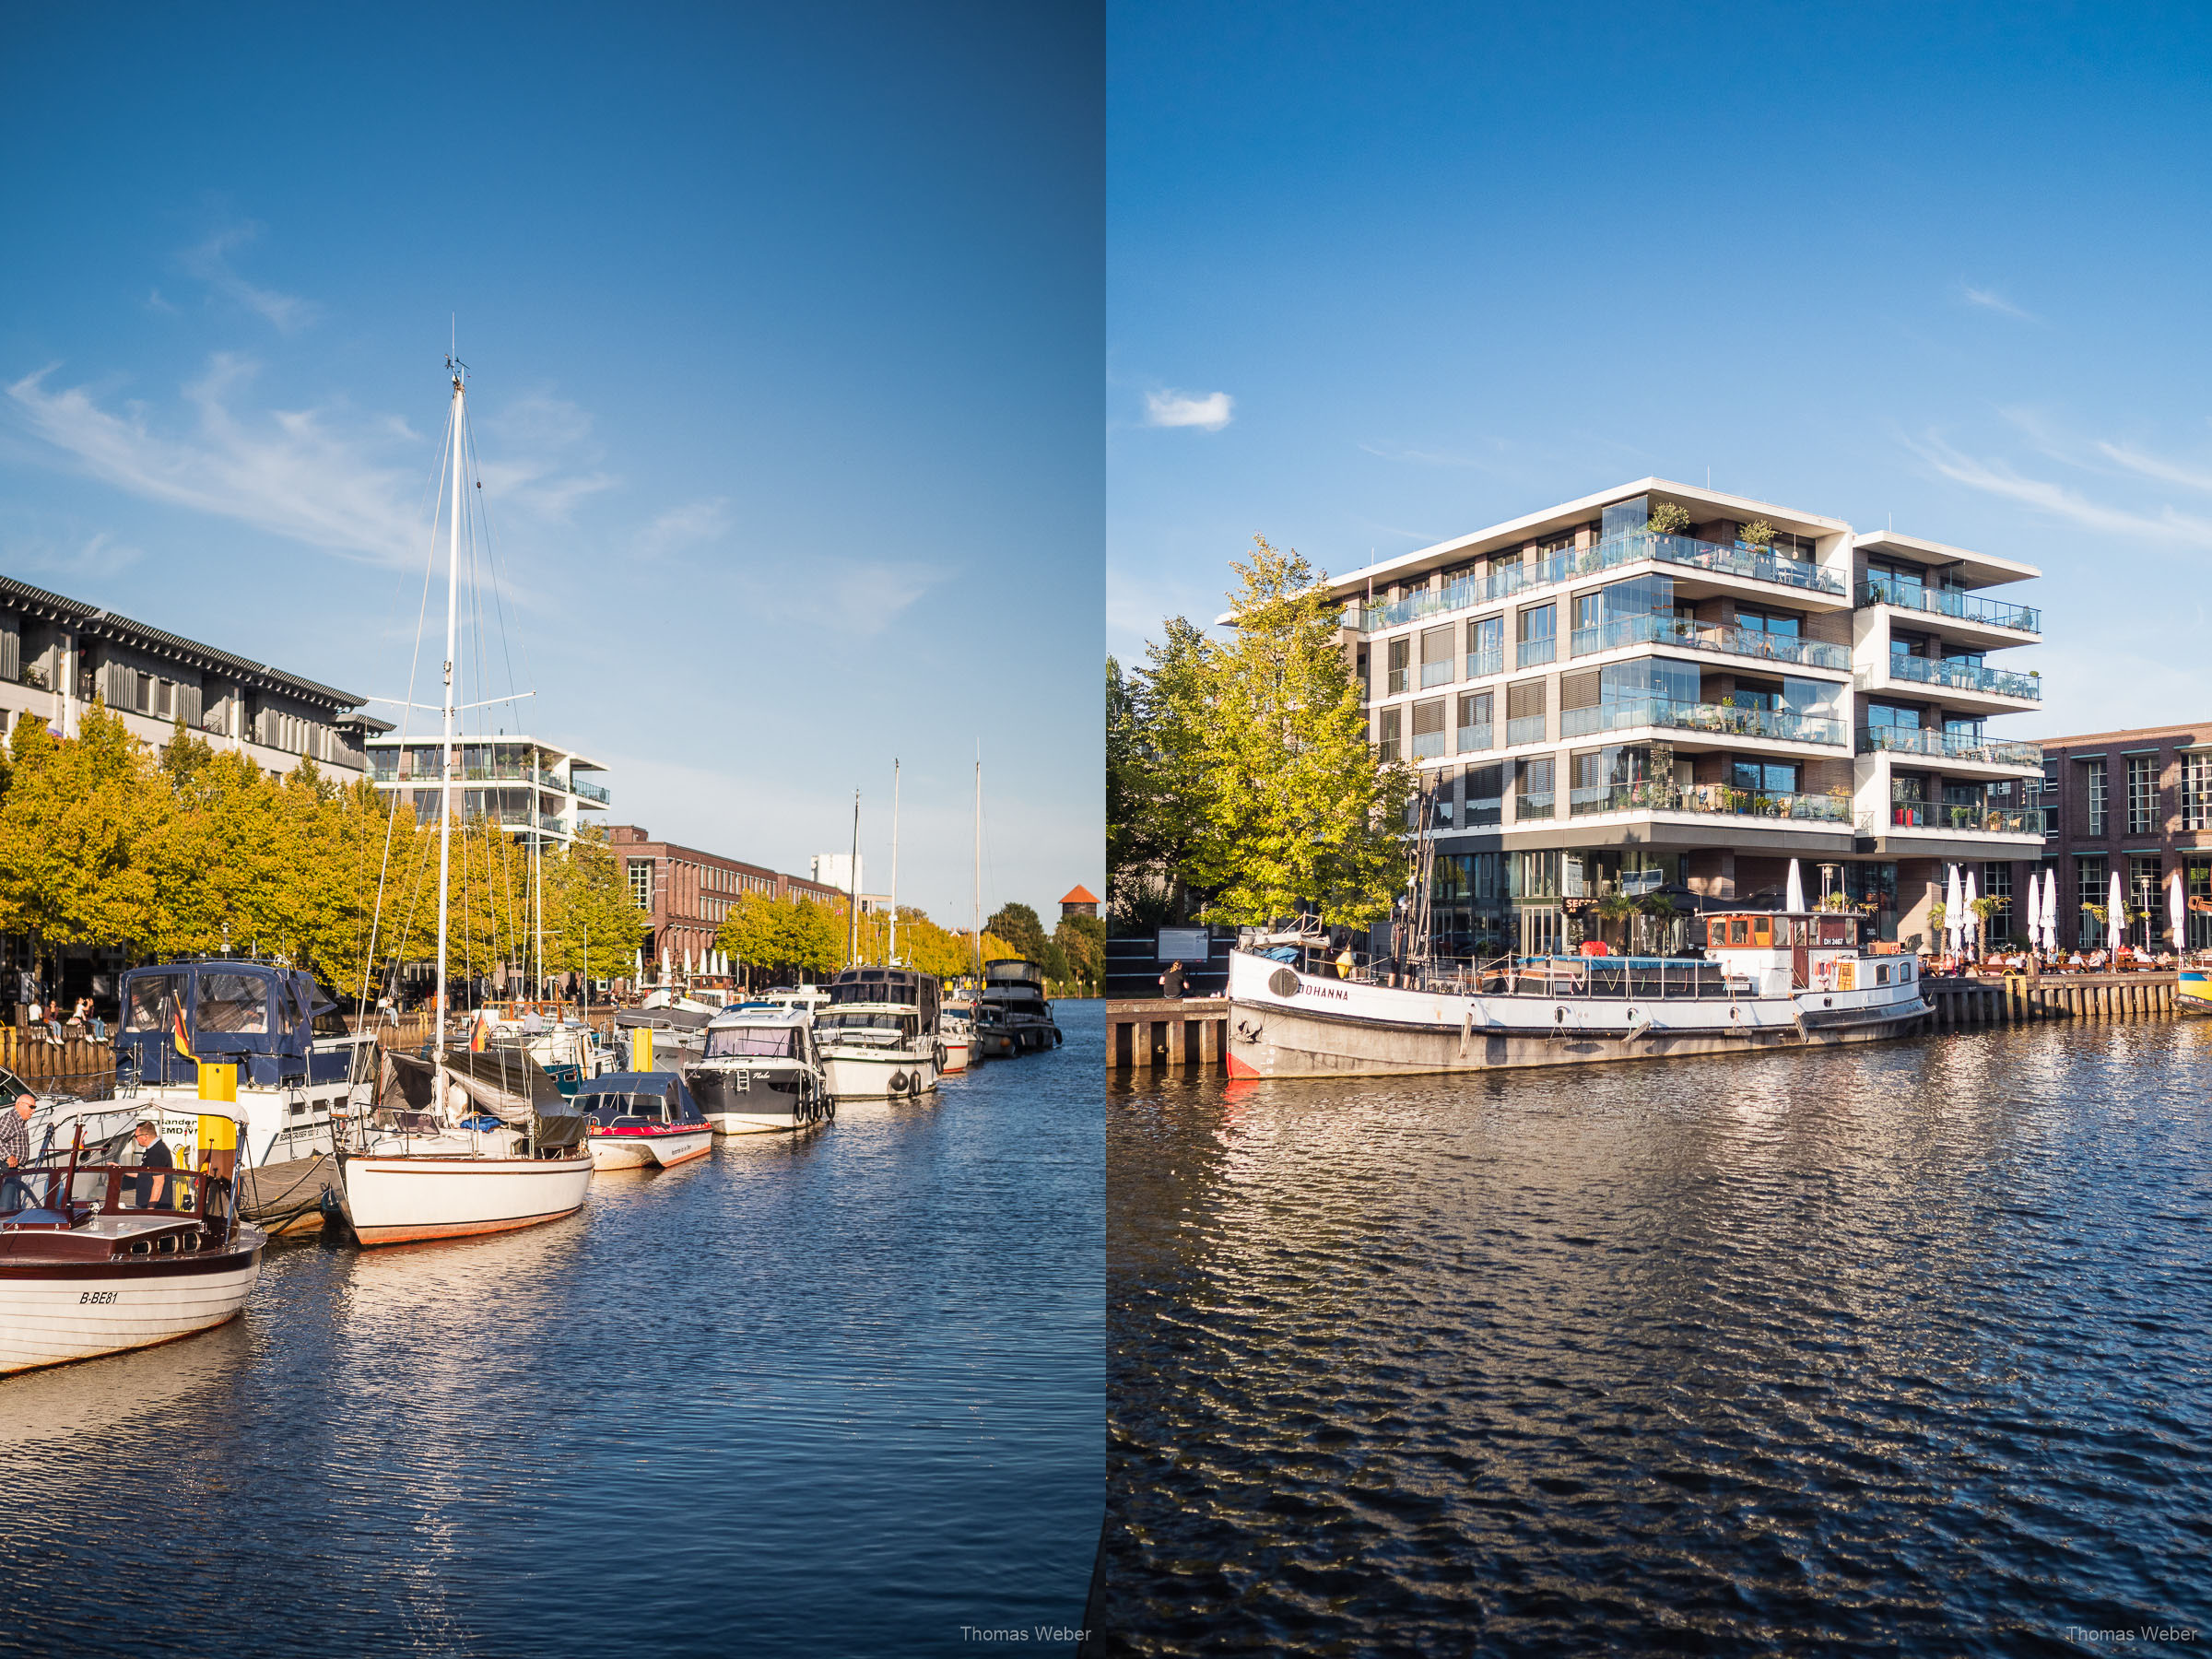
x=1756, y=534
x=1668, y=518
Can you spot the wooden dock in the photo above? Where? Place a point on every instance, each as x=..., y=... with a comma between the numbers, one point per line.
x=1190, y=1035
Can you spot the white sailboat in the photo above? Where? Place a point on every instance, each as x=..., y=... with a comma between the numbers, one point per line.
x=477, y=1155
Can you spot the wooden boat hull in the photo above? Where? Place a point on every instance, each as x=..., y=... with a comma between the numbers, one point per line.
x=620, y=1150
x=407, y=1199
x=1285, y=1024
x=53, y=1313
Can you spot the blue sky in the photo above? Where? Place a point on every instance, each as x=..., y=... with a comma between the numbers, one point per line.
x=1379, y=277
x=784, y=326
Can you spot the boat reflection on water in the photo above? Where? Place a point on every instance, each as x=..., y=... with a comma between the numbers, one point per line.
x=124, y=1397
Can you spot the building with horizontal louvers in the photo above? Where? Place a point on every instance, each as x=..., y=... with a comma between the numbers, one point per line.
x=57, y=655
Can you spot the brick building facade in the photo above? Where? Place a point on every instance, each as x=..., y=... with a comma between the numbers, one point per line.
x=687, y=893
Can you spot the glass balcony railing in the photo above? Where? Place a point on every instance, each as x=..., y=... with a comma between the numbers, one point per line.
x=1950, y=746
x=1529, y=806
x=1427, y=746
x=1950, y=602
x=1528, y=729
x=1483, y=663
x=1963, y=676
x=1474, y=739
x=1716, y=798
x=1531, y=653
x=590, y=792
x=1985, y=820
x=1687, y=635
x=1468, y=592
x=1783, y=725
x=1436, y=673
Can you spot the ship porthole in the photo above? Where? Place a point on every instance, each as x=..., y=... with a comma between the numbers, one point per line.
x=1283, y=982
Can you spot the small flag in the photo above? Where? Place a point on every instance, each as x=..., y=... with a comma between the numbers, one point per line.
x=476, y=1035
x=177, y=1036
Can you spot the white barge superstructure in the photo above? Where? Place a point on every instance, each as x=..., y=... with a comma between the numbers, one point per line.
x=1769, y=980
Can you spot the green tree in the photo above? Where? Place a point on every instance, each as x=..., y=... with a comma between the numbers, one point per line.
x=588, y=904
x=1297, y=807
x=73, y=833
x=1158, y=778
x=1082, y=941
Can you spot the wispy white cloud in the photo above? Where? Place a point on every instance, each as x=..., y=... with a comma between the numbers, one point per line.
x=1990, y=299
x=1171, y=408
x=681, y=528
x=867, y=596
x=94, y=557
x=2155, y=466
x=293, y=472
x=156, y=303
x=2048, y=495
x=1427, y=457
x=210, y=262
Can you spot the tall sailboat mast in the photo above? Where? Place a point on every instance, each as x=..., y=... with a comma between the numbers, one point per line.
x=445, y=746
x=890, y=958
x=979, y=864
x=852, y=904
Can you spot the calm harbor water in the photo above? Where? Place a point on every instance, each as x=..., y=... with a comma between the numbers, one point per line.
x=1906, y=1349
x=838, y=1394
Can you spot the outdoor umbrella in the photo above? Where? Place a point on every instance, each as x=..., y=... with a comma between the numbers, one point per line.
x=1969, y=919
x=2177, y=911
x=2035, y=912
x=2050, y=910
x=1793, y=900
x=2115, y=914
x=1954, y=907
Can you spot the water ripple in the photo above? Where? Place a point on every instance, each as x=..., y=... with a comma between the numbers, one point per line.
x=1900, y=1349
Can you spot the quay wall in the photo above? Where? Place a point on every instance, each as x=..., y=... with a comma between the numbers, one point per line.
x=1190, y=1035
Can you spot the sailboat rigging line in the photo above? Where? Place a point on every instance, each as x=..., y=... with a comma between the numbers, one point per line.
x=492, y=554
x=414, y=666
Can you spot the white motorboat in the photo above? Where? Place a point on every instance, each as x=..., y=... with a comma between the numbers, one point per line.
x=300, y=1079
x=644, y=1120
x=760, y=1072
x=956, y=1030
x=97, y=1258
x=1769, y=981
x=878, y=1037
x=461, y=1144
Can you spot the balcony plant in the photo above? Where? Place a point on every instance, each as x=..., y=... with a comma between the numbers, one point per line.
x=1756, y=534
x=1668, y=518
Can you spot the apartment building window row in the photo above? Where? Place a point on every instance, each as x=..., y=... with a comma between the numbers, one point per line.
x=2092, y=881
x=2196, y=792
x=2094, y=782
x=2142, y=794
x=641, y=882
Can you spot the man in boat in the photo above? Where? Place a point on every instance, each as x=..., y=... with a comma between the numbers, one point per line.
x=153, y=1154
x=15, y=1151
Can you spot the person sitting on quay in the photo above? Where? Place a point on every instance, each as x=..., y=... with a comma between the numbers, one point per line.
x=1171, y=982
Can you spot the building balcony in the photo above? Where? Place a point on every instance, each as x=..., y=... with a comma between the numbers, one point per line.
x=1474, y=739
x=1954, y=676
x=1944, y=602
x=590, y=792
x=1529, y=728
x=1973, y=820
x=1482, y=664
x=1436, y=673
x=1429, y=746
x=1953, y=746
x=1718, y=799
x=1685, y=552
x=1782, y=726
x=1535, y=653
x=1684, y=634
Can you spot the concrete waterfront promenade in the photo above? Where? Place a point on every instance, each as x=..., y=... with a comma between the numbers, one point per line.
x=1189, y=1035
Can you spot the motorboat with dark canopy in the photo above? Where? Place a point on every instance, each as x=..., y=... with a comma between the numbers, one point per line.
x=301, y=1076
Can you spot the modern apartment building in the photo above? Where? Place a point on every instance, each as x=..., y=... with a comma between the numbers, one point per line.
x=1660, y=689
x=685, y=894
x=58, y=654
x=2138, y=802
x=528, y=788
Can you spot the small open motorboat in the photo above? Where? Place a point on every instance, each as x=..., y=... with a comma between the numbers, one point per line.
x=99, y=1259
x=644, y=1120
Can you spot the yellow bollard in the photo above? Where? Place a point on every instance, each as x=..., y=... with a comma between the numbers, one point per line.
x=640, y=1048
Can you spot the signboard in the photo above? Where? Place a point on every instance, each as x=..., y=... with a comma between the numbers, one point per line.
x=1184, y=945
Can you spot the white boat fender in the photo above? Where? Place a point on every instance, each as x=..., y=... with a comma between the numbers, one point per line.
x=1558, y=1022
x=1467, y=1030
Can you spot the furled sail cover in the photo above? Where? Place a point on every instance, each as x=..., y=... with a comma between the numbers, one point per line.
x=505, y=1082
